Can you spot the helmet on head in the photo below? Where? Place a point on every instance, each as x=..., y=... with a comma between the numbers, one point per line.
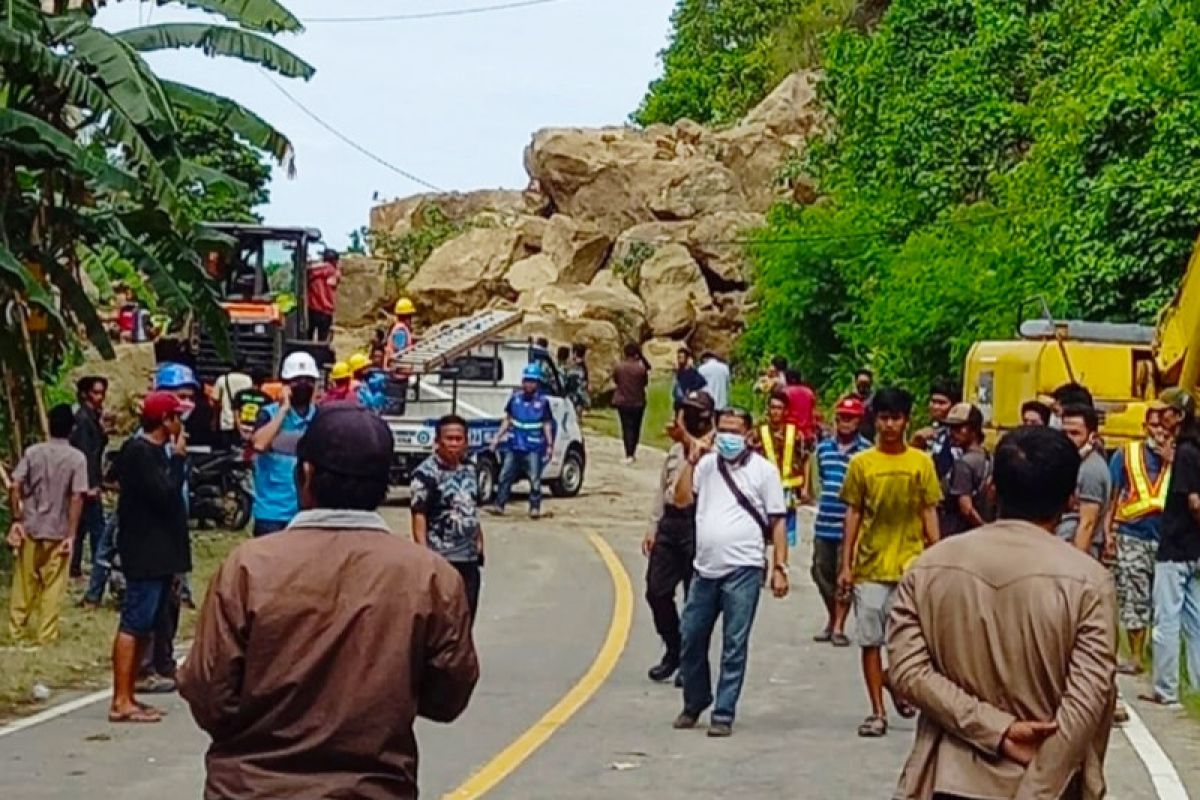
x=299, y=365
x=532, y=372
x=341, y=370
x=170, y=375
x=405, y=306
x=358, y=361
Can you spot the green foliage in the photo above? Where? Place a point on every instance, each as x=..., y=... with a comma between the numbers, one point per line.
x=404, y=254
x=214, y=146
x=629, y=266
x=986, y=152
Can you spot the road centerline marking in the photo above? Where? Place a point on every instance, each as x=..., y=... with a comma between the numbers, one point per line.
x=507, y=760
x=1164, y=776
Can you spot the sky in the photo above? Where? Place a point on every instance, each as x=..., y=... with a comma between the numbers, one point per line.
x=452, y=100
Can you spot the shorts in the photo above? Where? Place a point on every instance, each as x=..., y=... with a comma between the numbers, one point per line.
x=145, y=599
x=872, y=604
x=1135, y=579
x=826, y=563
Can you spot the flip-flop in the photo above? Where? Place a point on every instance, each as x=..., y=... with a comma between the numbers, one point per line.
x=1130, y=668
x=905, y=710
x=138, y=716
x=840, y=640
x=823, y=636
x=1156, y=699
x=873, y=727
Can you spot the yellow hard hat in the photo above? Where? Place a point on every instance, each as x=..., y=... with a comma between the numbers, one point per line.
x=357, y=362
x=405, y=306
x=341, y=370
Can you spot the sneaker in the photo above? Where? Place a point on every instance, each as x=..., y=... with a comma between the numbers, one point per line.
x=627, y=460
x=664, y=669
x=495, y=511
x=720, y=730
x=686, y=721
x=155, y=684
x=535, y=513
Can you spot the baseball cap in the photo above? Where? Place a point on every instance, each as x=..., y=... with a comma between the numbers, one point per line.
x=699, y=399
x=964, y=414
x=349, y=440
x=850, y=407
x=157, y=406
x=1178, y=399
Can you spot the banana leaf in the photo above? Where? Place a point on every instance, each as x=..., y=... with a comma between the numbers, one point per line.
x=218, y=40
x=243, y=122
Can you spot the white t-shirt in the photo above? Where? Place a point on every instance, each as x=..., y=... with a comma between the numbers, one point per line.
x=726, y=536
x=716, y=381
x=228, y=385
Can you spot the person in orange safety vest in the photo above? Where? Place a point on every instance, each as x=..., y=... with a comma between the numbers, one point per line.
x=400, y=338
x=1141, y=473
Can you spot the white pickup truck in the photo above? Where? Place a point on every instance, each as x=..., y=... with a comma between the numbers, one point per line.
x=477, y=385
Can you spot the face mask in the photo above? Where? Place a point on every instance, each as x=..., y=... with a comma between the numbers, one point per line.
x=302, y=394
x=730, y=445
x=186, y=413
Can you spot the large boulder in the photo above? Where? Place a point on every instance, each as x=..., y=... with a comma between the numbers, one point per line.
x=637, y=243
x=697, y=186
x=577, y=248
x=603, y=341
x=674, y=290
x=661, y=354
x=719, y=325
x=465, y=274
x=716, y=242
x=609, y=301
x=399, y=217
x=532, y=273
x=363, y=292
x=793, y=108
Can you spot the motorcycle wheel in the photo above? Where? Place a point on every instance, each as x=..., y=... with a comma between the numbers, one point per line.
x=237, y=506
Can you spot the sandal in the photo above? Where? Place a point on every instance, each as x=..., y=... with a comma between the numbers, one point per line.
x=1130, y=668
x=840, y=640
x=873, y=727
x=823, y=636
x=138, y=715
x=905, y=709
x=1154, y=698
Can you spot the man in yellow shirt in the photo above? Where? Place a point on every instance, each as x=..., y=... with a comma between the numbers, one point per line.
x=891, y=493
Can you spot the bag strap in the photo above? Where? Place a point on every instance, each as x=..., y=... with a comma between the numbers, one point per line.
x=741, y=498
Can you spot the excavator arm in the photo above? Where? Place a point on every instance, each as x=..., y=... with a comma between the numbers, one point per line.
x=1178, y=362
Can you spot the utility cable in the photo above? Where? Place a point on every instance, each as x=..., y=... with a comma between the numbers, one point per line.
x=377, y=159
x=456, y=12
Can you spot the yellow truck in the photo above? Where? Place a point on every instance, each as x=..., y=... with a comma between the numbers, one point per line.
x=1123, y=366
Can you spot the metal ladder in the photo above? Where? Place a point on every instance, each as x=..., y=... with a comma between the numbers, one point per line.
x=451, y=340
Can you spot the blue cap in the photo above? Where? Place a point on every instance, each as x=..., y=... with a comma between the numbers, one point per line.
x=170, y=375
x=532, y=373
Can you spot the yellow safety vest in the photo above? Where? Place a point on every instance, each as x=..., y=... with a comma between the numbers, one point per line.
x=1143, y=497
x=789, y=453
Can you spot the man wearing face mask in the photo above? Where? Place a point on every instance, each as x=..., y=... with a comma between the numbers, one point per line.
x=1140, y=474
x=670, y=542
x=739, y=508
x=279, y=427
x=1083, y=524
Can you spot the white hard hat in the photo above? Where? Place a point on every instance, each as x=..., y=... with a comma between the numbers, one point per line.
x=299, y=365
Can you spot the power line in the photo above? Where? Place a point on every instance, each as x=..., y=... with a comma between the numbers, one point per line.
x=313, y=116
x=457, y=12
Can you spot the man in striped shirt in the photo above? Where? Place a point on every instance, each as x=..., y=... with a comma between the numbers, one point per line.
x=833, y=459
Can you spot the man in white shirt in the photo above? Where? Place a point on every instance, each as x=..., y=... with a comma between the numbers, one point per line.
x=739, y=502
x=716, y=378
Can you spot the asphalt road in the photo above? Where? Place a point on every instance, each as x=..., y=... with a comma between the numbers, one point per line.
x=546, y=608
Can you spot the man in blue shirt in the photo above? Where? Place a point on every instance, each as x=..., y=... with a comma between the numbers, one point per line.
x=833, y=459
x=1140, y=473
x=528, y=427
x=278, y=430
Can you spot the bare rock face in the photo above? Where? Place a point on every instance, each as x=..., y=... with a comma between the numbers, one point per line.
x=696, y=186
x=609, y=302
x=130, y=375
x=531, y=273
x=399, y=217
x=363, y=291
x=465, y=274
x=661, y=354
x=719, y=325
x=639, y=242
x=674, y=291
x=716, y=242
x=603, y=341
x=578, y=249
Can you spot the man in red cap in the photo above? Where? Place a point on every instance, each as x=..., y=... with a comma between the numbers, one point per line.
x=153, y=544
x=833, y=459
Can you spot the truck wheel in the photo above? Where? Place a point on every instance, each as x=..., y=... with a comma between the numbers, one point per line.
x=237, y=506
x=570, y=482
x=489, y=476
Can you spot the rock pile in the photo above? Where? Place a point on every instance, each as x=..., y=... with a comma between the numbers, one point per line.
x=623, y=233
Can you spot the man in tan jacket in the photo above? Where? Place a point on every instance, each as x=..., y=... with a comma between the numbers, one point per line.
x=1005, y=639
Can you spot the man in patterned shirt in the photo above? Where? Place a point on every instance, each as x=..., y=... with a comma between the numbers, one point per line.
x=445, y=505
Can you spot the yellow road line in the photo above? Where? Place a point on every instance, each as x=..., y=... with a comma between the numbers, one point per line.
x=511, y=757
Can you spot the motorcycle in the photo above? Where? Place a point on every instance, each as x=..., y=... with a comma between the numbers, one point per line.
x=219, y=487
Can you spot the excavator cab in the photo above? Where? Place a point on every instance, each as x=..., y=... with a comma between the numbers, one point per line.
x=263, y=282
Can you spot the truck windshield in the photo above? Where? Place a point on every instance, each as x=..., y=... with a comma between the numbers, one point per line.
x=279, y=265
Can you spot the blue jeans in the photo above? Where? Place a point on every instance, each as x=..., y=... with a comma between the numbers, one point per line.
x=103, y=553
x=736, y=598
x=91, y=528
x=531, y=464
x=1176, y=605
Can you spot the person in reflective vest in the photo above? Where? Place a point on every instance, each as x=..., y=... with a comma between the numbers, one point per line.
x=1141, y=473
x=782, y=443
x=400, y=338
x=527, y=434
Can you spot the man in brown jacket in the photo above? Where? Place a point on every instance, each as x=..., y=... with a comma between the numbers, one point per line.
x=1005, y=639
x=317, y=648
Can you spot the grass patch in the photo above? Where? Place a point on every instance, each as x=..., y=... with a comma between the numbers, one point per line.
x=659, y=411
x=80, y=657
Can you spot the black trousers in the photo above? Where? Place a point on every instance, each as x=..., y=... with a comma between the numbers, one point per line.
x=631, y=427
x=670, y=565
x=319, y=324
x=473, y=579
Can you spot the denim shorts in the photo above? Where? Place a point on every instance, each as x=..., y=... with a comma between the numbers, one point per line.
x=144, y=600
x=872, y=604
